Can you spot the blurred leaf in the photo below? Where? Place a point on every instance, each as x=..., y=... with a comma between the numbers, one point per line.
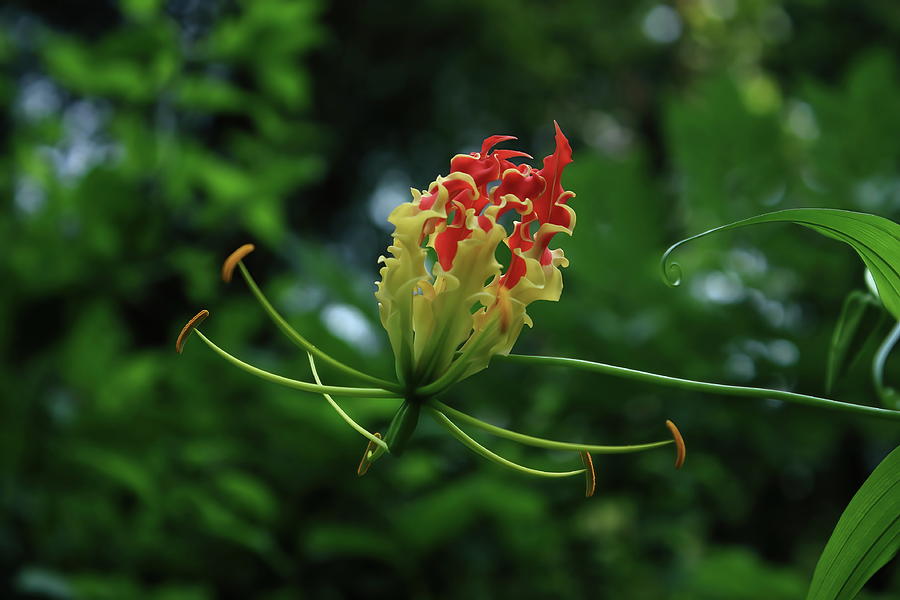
x=722, y=148
x=859, y=320
x=247, y=493
x=133, y=65
x=126, y=472
x=326, y=540
x=725, y=573
x=105, y=586
x=209, y=94
x=141, y=9
x=485, y=497
x=42, y=583
x=865, y=538
x=219, y=521
x=856, y=151
x=181, y=592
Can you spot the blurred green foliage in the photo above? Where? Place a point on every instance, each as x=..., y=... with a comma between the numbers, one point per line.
x=144, y=140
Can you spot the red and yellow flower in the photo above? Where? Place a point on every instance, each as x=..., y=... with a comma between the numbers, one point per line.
x=447, y=302
x=461, y=299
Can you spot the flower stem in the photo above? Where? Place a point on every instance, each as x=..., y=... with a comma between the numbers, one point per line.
x=702, y=386
x=293, y=383
x=477, y=448
x=530, y=440
x=347, y=419
x=305, y=344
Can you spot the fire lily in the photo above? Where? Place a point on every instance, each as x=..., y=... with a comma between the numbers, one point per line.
x=428, y=313
x=447, y=304
x=450, y=308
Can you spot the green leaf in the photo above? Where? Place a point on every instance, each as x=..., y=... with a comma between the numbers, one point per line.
x=865, y=538
x=860, y=318
x=875, y=239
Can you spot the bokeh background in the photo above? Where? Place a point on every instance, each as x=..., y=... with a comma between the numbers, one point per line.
x=144, y=140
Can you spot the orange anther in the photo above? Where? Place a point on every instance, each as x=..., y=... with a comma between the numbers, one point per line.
x=366, y=461
x=680, y=449
x=232, y=261
x=590, y=476
x=188, y=328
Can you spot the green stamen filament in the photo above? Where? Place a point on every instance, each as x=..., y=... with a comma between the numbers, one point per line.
x=531, y=440
x=293, y=383
x=477, y=448
x=305, y=344
x=347, y=419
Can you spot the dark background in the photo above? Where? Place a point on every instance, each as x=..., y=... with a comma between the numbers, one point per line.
x=145, y=140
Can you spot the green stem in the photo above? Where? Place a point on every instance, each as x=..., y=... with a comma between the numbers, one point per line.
x=305, y=344
x=882, y=354
x=477, y=448
x=347, y=419
x=702, y=386
x=293, y=383
x=531, y=440
x=879, y=361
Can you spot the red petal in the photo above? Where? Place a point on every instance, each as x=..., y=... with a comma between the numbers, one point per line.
x=427, y=201
x=516, y=270
x=483, y=170
x=504, y=154
x=560, y=215
x=492, y=141
x=523, y=183
x=552, y=172
x=521, y=236
x=446, y=243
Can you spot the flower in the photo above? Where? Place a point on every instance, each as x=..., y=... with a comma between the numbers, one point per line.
x=464, y=299
x=449, y=305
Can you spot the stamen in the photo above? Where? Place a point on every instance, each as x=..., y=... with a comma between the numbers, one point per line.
x=680, y=449
x=590, y=476
x=530, y=440
x=293, y=383
x=477, y=448
x=366, y=460
x=232, y=261
x=188, y=328
x=289, y=331
x=347, y=419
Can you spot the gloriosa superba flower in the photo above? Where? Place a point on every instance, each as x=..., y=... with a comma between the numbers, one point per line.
x=466, y=301
x=447, y=303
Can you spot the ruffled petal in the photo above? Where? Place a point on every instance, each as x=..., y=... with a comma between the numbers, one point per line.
x=466, y=300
